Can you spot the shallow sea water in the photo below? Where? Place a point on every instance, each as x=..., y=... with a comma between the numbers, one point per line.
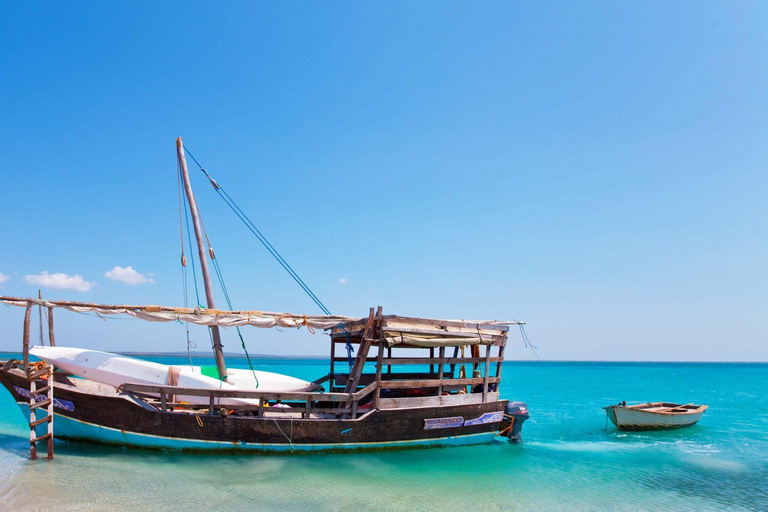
x=568, y=460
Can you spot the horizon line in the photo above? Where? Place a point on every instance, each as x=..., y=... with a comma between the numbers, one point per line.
x=200, y=355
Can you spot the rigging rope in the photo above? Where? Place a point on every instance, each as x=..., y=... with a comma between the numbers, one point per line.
x=219, y=276
x=267, y=245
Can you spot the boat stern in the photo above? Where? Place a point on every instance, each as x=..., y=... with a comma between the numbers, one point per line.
x=610, y=411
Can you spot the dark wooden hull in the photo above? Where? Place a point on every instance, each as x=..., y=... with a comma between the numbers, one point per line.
x=116, y=419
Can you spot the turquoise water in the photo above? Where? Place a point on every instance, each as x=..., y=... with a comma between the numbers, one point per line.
x=568, y=461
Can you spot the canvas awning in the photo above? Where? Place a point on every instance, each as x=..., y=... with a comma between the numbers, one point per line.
x=429, y=332
x=395, y=330
x=199, y=316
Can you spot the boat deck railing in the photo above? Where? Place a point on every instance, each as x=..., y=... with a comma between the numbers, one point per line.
x=314, y=402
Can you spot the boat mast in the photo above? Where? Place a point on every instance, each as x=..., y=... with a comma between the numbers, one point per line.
x=217, y=348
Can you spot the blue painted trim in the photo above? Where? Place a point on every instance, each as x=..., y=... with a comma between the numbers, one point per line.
x=70, y=428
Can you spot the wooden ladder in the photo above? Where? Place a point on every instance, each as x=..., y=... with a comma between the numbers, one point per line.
x=362, y=354
x=34, y=405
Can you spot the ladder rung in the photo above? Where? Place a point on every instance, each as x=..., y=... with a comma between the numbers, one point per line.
x=37, y=405
x=39, y=373
x=40, y=421
x=41, y=438
x=41, y=390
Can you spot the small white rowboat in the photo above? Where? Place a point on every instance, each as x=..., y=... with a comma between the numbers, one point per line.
x=654, y=416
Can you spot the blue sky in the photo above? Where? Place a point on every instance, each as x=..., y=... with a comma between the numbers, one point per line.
x=597, y=170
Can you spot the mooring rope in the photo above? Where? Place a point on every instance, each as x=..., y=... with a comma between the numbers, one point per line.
x=290, y=439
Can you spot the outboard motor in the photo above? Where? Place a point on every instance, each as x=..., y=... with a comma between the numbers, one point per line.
x=515, y=413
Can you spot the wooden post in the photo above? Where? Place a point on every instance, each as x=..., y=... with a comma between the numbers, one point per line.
x=487, y=367
x=333, y=364
x=441, y=355
x=32, y=416
x=501, y=360
x=25, y=341
x=50, y=413
x=217, y=348
x=379, y=359
x=40, y=314
x=51, y=339
x=431, y=356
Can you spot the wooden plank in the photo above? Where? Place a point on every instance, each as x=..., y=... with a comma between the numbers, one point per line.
x=35, y=423
x=225, y=393
x=473, y=325
x=41, y=438
x=438, y=360
x=446, y=335
x=38, y=373
x=37, y=405
x=365, y=391
x=434, y=401
x=42, y=390
x=400, y=384
x=369, y=378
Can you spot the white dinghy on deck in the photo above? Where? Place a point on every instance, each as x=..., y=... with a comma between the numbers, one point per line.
x=116, y=370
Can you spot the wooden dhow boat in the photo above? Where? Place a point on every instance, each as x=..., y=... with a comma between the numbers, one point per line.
x=654, y=415
x=405, y=386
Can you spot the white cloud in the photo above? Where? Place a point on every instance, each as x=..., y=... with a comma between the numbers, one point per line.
x=128, y=276
x=4, y=278
x=59, y=280
x=343, y=280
